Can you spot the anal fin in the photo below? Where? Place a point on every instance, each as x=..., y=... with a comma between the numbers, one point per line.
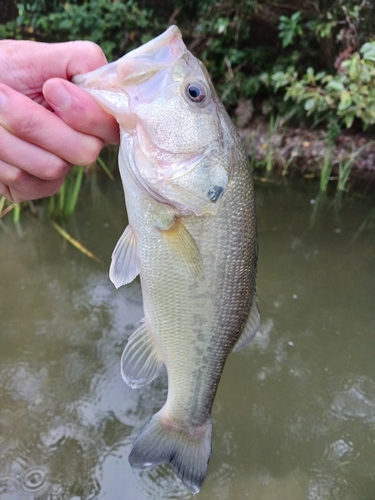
x=251, y=328
x=124, y=265
x=140, y=361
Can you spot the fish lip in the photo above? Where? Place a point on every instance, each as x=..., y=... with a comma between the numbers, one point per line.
x=106, y=73
x=137, y=65
x=157, y=43
x=142, y=63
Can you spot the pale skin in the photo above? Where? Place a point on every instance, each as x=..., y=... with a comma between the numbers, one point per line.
x=47, y=124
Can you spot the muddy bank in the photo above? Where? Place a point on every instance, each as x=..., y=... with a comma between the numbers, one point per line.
x=300, y=151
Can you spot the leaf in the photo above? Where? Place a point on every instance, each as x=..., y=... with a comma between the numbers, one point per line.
x=335, y=85
x=329, y=101
x=348, y=119
x=309, y=74
x=296, y=16
x=368, y=51
x=309, y=104
x=345, y=100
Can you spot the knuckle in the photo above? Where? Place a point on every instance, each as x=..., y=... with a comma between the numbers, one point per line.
x=19, y=117
x=94, y=50
x=4, y=191
x=91, y=152
x=15, y=176
x=3, y=87
x=26, y=125
x=91, y=52
x=49, y=188
x=55, y=170
x=16, y=198
x=16, y=181
x=88, y=117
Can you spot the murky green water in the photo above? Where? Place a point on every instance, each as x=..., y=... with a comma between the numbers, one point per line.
x=294, y=417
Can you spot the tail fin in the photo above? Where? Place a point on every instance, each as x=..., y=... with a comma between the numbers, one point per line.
x=187, y=449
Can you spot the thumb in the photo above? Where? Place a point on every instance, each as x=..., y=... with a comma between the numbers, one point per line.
x=80, y=111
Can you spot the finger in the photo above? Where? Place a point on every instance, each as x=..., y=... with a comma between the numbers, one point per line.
x=35, y=124
x=33, y=159
x=62, y=60
x=67, y=59
x=17, y=185
x=4, y=191
x=80, y=111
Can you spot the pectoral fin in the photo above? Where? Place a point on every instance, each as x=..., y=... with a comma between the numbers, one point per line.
x=251, y=328
x=140, y=361
x=125, y=265
x=182, y=247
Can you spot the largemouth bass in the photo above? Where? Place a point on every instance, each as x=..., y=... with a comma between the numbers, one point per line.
x=191, y=237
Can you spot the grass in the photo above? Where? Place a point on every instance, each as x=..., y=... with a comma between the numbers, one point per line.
x=76, y=243
x=345, y=167
x=325, y=174
x=105, y=168
x=7, y=206
x=63, y=204
x=367, y=224
x=60, y=206
x=272, y=156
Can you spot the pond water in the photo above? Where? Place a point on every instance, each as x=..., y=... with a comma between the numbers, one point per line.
x=294, y=417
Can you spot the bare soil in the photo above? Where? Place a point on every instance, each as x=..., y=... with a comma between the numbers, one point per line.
x=301, y=151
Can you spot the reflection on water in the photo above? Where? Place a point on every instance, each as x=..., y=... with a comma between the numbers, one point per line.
x=294, y=417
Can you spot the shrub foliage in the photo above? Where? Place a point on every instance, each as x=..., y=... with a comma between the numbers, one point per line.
x=308, y=60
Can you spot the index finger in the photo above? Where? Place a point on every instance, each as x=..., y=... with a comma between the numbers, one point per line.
x=35, y=124
x=63, y=60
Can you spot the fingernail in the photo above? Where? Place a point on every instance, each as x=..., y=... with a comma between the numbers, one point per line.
x=57, y=96
x=2, y=101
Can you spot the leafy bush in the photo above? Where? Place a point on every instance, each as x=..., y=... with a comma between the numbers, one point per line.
x=116, y=26
x=348, y=94
x=251, y=47
x=290, y=28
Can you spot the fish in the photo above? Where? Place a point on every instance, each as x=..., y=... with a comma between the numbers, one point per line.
x=191, y=238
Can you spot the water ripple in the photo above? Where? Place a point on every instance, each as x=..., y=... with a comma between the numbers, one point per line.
x=356, y=401
x=28, y=485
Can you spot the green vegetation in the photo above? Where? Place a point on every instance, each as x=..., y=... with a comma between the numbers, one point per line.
x=298, y=62
x=342, y=97
x=311, y=59
x=62, y=204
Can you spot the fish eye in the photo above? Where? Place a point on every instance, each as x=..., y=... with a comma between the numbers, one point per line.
x=196, y=92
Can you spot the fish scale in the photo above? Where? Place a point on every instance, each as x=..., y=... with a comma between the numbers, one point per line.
x=191, y=238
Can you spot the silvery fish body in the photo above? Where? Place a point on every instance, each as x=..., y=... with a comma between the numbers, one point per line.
x=191, y=238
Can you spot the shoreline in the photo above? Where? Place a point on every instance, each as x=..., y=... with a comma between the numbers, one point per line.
x=298, y=150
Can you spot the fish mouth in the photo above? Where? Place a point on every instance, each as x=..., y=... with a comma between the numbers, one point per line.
x=170, y=38
x=137, y=66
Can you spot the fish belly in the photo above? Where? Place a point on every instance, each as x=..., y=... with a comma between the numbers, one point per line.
x=196, y=319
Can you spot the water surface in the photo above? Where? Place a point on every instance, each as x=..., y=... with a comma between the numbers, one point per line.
x=294, y=416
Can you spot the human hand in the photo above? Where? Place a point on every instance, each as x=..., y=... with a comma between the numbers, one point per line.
x=47, y=124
